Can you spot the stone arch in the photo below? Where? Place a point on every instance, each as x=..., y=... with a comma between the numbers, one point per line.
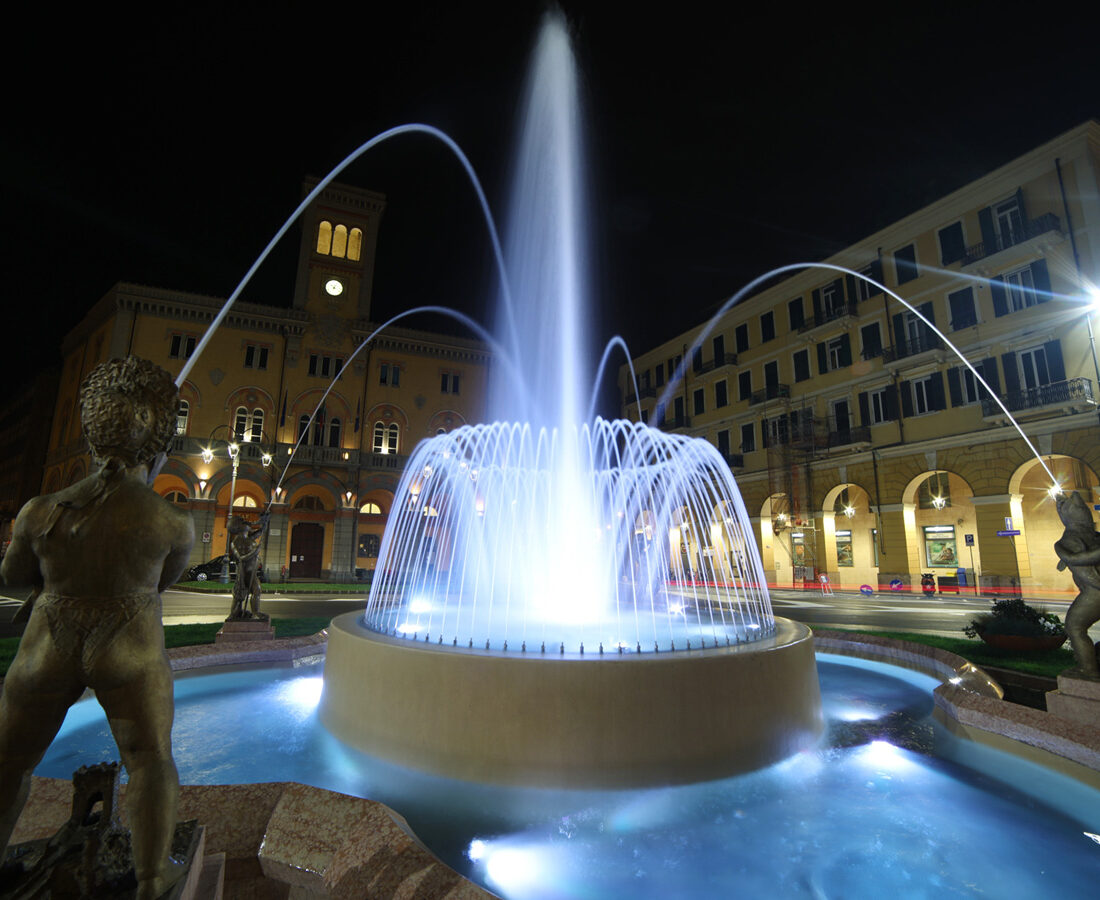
x=1035, y=515
x=320, y=484
x=445, y=420
x=935, y=536
x=848, y=539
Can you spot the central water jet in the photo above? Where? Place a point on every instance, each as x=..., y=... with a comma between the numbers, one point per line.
x=563, y=602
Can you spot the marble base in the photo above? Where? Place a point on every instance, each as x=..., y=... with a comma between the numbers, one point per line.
x=1077, y=699
x=236, y=630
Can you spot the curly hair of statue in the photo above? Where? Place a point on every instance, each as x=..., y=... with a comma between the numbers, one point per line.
x=128, y=410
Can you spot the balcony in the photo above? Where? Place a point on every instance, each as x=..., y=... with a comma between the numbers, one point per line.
x=642, y=394
x=771, y=392
x=1028, y=230
x=860, y=434
x=726, y=359
x=1074, y=393
x=671, y=422
x=841, y=311
x=912, y=347
x=733, y=460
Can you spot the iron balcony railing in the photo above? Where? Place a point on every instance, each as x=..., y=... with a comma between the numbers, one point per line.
x=829, y=315
x=1024, y=232
x=642, y=394
x=771, y=392
x=670, y=422
x=726, y=359
x=1075, y=390
x=733, y=460
x=912, y=347
x=859, y=434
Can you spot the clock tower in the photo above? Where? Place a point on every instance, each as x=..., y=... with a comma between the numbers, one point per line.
x=336, y=258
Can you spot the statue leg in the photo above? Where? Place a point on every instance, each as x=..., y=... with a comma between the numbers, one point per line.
x=1083, y=612
x=140, y=715
x=38, y=691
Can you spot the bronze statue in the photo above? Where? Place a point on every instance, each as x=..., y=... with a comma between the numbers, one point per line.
x=1079, y=549
x=244, y=547
x=98, y=554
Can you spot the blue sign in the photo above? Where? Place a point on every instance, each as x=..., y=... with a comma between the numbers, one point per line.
x=1012, y=533
x=896, y=584
x=866, y=590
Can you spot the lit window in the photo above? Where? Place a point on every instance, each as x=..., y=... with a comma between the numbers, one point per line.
x=370, y=509
x=245, y=501
x=182, y=415
x=324, y=238
x=355, y=244
x=257, y=425
x=340, y=241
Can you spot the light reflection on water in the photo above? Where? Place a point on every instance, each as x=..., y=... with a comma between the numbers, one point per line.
x=871, y=811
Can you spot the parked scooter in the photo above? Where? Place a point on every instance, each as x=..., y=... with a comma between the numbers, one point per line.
x=928, y=583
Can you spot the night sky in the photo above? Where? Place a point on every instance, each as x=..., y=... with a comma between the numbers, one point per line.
x=169, y=153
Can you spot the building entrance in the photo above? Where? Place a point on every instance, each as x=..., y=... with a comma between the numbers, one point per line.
x=307, y=546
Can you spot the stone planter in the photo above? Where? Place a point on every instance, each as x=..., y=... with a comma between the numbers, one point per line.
x=1022, y=643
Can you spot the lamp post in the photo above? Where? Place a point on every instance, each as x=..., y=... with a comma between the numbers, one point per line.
x=233, y=450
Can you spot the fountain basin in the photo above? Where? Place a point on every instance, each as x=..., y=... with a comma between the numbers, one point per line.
x=535, y=719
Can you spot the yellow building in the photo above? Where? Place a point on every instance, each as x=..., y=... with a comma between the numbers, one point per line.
x=259, y=380
x=865, y=450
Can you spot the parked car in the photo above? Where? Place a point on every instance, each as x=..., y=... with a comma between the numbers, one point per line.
x=209, y=570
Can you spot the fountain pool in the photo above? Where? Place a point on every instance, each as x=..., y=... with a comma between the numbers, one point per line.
x=870, y=809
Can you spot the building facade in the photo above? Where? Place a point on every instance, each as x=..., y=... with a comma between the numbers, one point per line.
x=261, y=378
x=865, y=449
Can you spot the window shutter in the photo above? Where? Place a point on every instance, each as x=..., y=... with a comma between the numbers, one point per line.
x=906, y=399
x=794, y=310
x=989, y=236
x=891, y=395
x=1000, y=305
x=1020, y=203
x=850, y=282
x=876, y=274
x=935, y=394
x=765, y=434
x=1055, y=365
x=816, y=298
x=1040, y=276
x=928, y=312
x=954, y=386
x=822, y=360
x=988, y=370
x=899, y=332
x=1012, y=373
x=845, y=350
x=864, y=409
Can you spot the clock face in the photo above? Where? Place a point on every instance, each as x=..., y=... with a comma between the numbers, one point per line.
x=334, y=286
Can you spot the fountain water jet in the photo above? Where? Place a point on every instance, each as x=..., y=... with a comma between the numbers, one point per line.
x=565, y=535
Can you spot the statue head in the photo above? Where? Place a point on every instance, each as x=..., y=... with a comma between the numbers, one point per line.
x=237, y=525
x=128, y=410
x=1073, y=510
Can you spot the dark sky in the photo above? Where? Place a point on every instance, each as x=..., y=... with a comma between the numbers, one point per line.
x=719, y=146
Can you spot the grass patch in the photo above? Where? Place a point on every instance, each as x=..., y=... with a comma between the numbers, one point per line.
x=1048, y=664
x=192, y=635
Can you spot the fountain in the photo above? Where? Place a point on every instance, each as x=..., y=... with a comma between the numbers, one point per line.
x=535, y=618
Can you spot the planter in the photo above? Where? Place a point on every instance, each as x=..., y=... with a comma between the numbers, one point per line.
x=1022, y=643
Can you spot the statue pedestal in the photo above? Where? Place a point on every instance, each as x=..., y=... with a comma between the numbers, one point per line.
x=1077, y=699
x=237, y=630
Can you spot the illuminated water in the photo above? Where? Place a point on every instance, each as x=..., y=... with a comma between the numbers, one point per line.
x=871, y=813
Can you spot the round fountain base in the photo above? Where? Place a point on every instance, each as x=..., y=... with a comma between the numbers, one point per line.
x=602, y=721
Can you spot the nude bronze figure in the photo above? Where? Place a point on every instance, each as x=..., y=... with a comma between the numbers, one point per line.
x=244, y=547
x=98, y=554
x=1079, y=549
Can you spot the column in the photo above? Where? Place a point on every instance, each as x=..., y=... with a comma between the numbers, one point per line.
x=1000, y=573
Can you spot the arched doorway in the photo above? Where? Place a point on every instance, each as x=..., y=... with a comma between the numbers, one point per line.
x=307, y=549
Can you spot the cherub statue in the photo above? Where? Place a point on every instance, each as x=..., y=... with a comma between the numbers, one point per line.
x=98, y=554
x=244, y=547
x=1079, y=549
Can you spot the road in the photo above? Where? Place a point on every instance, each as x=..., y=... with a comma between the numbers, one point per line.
x=945, y=614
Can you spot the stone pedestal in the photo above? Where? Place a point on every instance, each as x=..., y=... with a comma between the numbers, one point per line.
x=238, y=630
x=1077, y=699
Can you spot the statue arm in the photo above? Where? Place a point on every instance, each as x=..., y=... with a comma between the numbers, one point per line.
x=1088, y=557
x=176, y=560
x=20, y=566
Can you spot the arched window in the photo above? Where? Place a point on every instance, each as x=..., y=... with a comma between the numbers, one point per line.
x=370, y=509
x=334, y=432
x=310, y=503
x=240, y=424
x=303, y=424
x=244, y=500
x=355, y=244
x=340, y=241
x=257, y=430
x=176, y=497
x=182, y=415
x=324, y=238
x=391, y=438
x=379, y=444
